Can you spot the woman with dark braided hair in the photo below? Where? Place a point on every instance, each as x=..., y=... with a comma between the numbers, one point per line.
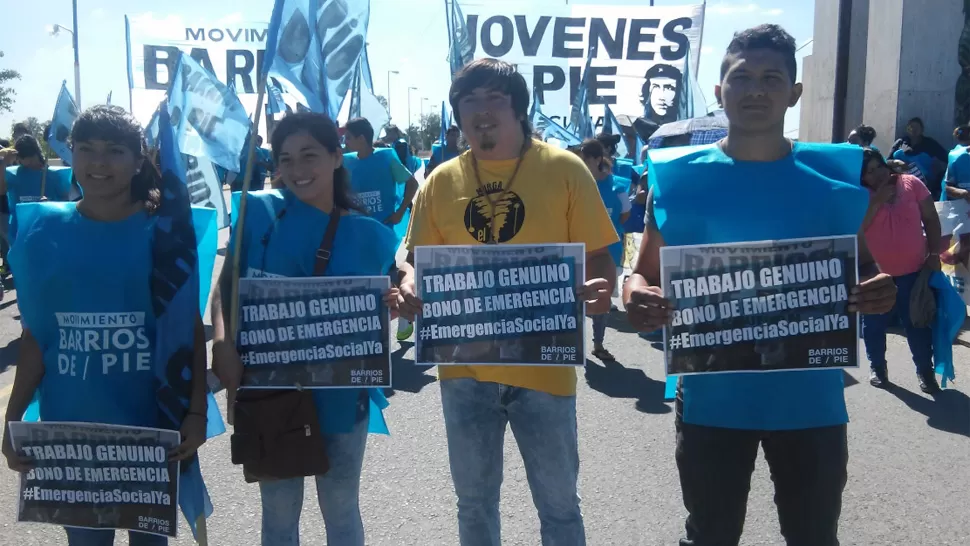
x=96, y=259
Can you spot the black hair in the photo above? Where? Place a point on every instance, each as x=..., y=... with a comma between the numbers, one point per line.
x=453, y=129
x=868, y=155
x=768, y=36
x=360, y=127
x=916, y=120
x=592, y=147
x=494, y=75
x=962, y=133
x=401, y=149
x=115, y=124
x=20, y=129
x=866, y=134
x=322, y=129
x=4, y=143
x=27, y=147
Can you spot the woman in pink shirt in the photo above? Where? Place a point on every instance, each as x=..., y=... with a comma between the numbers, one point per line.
x=902, y=231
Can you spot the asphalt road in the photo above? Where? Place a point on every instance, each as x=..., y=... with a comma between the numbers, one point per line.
x=909, y=467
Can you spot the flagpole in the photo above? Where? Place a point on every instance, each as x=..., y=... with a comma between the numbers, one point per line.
x=237, y=248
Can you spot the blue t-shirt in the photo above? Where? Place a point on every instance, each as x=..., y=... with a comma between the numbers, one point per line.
x=379, y=183
x=614, y=192
x=958, y=169
x=84, y=291
x=23, y=186
x=362, y=247
x=702, y=196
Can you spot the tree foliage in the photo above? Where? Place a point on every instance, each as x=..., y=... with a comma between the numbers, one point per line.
x=7, y=92
x=423, y=135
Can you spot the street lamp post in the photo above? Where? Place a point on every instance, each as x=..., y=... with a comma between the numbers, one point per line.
x=56, y=29
x=389, y=72
x=409, y=109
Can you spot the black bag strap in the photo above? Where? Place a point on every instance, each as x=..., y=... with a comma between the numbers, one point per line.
x=326, y=246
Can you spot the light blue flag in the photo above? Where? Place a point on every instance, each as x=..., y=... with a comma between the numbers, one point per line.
x=314, y=45
x=108, y=101
x=444, y=126
x=65, y=112
x=175, y=298
x=276, y=104
x=547, y=128
x=612, y=126
x=151, y=130
x=370, y=108
x=692, y=102
x=460, y=49
x=579, y=119
x=208, y=118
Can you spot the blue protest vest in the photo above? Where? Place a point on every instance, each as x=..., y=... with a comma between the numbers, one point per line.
x=702, y=196
x=373, y=182
x=958, y=169
x=610, y=188
x=83, y=287
x=23, y=186
x=362, y=247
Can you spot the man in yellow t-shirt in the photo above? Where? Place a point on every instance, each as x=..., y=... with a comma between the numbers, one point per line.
x=543, y=195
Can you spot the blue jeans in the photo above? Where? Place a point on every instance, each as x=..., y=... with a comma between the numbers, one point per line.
x=874, y=330
x=476, y=415
x=337, y=492
x=106, y=537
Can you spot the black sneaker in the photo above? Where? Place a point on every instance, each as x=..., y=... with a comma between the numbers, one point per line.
x=927, y=382
x=878, y=378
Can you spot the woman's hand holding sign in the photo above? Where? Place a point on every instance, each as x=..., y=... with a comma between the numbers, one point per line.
x=648, y=310
x=874, y=296
x=16, y=461
x=596, y=293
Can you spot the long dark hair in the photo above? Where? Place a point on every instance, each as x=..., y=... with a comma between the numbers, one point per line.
x=115, y=124
x=323, y=130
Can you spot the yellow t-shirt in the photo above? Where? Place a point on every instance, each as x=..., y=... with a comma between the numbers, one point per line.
x=553, y=199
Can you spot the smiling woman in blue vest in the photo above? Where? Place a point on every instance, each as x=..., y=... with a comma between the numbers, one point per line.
x=95, y=258
x=307, y=150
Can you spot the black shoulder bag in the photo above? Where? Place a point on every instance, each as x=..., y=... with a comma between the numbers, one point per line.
x=276, y=434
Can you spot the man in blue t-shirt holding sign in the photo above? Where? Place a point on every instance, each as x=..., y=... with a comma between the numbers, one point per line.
x=756, y=185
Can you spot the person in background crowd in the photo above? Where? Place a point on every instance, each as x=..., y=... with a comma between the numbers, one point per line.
x=406, y=155
x=19, y=130
x=958, y=166
x=22, y=183
x=615, y=193
x=96, y=257
x=449, y=150
x=560, y=204
x=317, y=186
x=798, y=417
x=8, y=158
x=926, y=152
x=863, y=135
x=391, y=135
x=900, y=211
x=383, y=186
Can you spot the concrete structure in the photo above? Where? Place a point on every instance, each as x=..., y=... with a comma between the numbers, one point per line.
x=901, y=62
